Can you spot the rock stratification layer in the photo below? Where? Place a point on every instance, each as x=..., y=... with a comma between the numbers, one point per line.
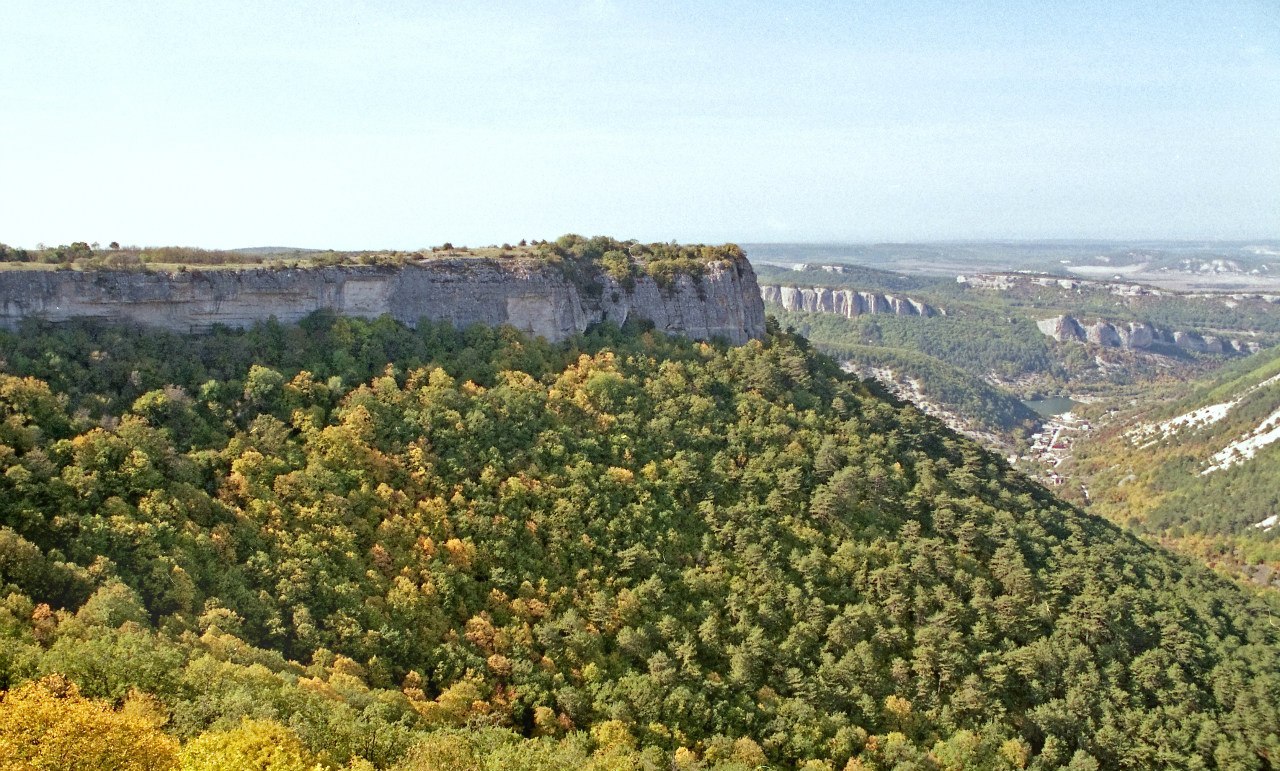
x=532, y=296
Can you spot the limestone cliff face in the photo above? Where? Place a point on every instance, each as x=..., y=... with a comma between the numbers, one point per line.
x=1138, y=335
x=845, y=302
x=529, y=295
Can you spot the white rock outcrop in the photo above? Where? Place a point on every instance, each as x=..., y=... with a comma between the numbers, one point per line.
x=1138, y=335
x=1061, y=328
x=844, y=302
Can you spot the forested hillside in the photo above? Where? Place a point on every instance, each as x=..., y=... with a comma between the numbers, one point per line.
x=956, y=363
x=352, y=544
x=982, y=342
x=1203, y=469
x=982, y=406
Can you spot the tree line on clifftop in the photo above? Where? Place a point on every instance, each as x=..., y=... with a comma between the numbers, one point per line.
x=582, y=257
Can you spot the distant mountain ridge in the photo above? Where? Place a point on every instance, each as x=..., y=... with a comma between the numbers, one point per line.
x=1213, y=265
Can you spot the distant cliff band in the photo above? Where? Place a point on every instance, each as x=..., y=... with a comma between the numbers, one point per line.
x=845, y=302
x=1139, y=335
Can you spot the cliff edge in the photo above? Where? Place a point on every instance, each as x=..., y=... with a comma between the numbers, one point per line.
x=530, y=295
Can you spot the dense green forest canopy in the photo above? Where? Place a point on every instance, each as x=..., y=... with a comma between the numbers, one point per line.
x=982, y=343
x=354, y=543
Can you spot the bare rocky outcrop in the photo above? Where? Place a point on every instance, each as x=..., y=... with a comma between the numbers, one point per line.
x=527, y=294
x=1104, y=334
x=844, y=302
x=1061, y=328
x=1138, y=335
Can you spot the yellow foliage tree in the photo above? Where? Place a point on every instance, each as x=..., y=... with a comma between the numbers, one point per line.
x=612, y=736
x=441, y=752
x=1016, y=752
x=47, y=725
x=748, y=753
x=685, y=759
x=456, y=705
x=255, y=745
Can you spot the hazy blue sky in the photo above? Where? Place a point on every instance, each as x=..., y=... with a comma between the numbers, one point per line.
x=402, y=124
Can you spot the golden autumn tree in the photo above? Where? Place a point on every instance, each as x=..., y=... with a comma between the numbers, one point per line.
x=48, y=725
x=254, y=745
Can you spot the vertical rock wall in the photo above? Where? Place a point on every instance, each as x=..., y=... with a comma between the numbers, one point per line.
x=529, y=295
